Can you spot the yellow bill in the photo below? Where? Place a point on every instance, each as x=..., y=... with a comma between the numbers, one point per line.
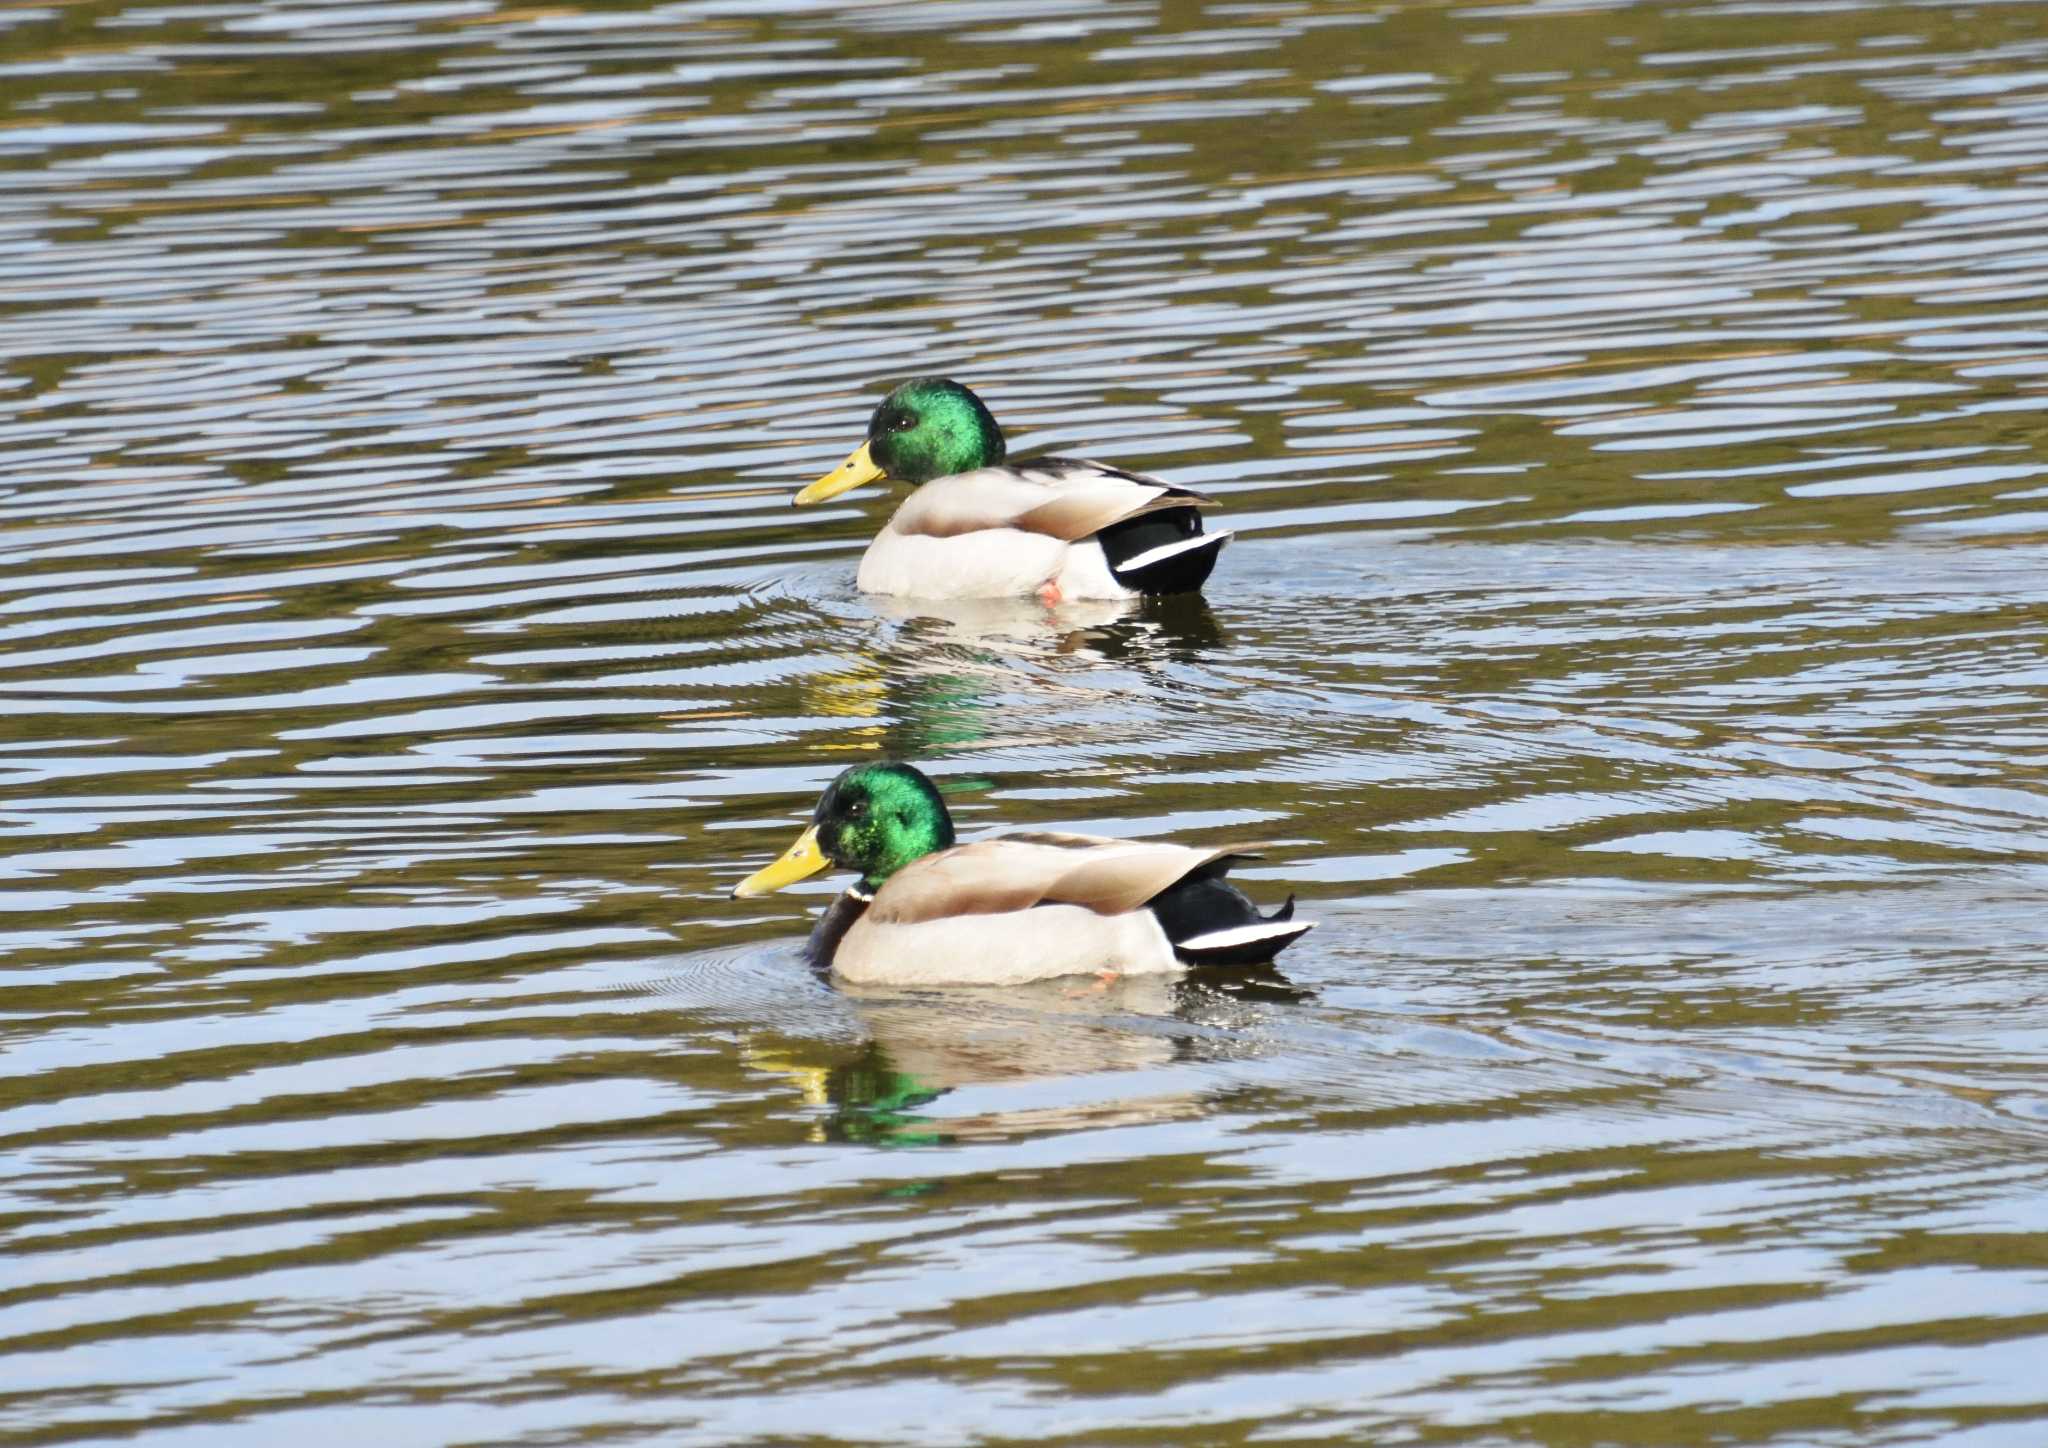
x=858, y=468
x=800, y=860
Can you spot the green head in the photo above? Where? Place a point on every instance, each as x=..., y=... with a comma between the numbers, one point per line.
x=874, y=818
x=877, y=818
x=930, y=427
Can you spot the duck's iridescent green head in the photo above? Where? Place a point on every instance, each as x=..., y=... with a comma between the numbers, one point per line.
x=874, y=818
x=930, y=427
x=877, y=818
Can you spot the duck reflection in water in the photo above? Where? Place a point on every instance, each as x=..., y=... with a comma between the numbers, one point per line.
x=1018, y=1059
x=935, y=676
x=947, y=675
x=1176, y=628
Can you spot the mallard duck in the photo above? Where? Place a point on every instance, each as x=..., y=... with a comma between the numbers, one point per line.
x=1062, y=528
x=1012, y=908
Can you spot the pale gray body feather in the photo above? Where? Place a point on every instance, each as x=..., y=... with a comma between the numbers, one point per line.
x=1011, y=530
x=1018, y=908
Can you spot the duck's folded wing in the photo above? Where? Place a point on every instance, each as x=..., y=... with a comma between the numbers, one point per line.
x=1064, y=498
x=1016, y=872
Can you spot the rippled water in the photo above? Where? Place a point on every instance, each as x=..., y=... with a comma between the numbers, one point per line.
x=1631, y=415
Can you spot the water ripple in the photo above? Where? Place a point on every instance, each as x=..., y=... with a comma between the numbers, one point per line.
x=1632, y=640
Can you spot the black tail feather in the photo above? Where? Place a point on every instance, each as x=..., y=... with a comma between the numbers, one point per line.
x=1157, y=552
x=1211, y=922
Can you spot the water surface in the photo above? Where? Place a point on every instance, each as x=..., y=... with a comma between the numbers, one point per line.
x=1633, y=641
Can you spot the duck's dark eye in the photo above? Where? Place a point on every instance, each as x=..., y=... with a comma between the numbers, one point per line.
x=858, y=808
x=902, y=422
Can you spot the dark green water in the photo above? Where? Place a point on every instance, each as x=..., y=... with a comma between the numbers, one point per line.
x=1632, y=415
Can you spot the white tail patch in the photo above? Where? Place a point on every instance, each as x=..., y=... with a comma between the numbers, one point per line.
x=1167, y=550
x=1248, y=934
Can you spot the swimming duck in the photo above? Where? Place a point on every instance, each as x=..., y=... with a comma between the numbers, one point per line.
x=1062, y=528
x=1011, y=908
